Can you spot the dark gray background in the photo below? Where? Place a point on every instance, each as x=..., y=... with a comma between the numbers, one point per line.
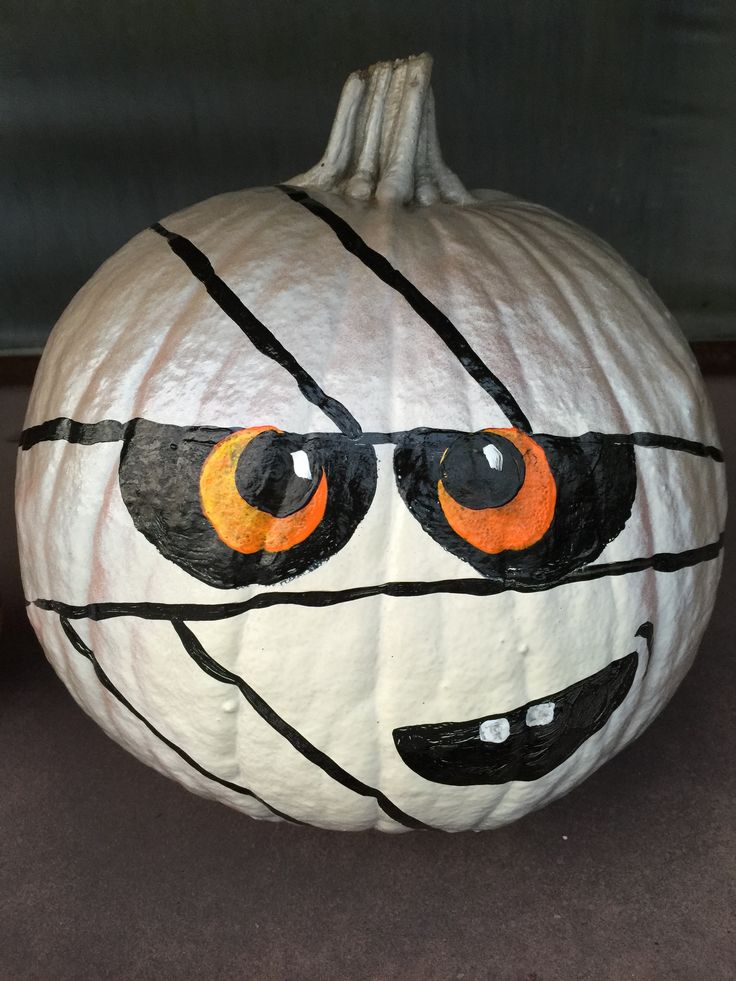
x=620, y=114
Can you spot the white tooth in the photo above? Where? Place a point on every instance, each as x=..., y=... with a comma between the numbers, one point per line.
x=301, y=464
x=494, y=730
x=540, y=715
x=494, y=456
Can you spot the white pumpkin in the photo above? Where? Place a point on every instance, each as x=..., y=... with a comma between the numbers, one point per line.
x=367, y=502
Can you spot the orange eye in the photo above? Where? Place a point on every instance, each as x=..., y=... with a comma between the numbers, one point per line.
x=260, y=492
x=234, y=509
x=496, y=490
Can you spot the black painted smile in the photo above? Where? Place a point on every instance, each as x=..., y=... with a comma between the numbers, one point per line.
x=526, y=743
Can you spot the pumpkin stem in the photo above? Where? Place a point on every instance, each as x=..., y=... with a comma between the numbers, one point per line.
x=384, y=143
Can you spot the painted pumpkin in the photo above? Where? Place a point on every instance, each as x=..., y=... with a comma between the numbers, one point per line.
x=364, y=501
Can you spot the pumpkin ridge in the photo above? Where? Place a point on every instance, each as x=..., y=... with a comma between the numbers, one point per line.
x=649, y=309
x=576, y=301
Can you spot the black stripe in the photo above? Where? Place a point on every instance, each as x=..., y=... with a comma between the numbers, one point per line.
x=257, y=333
x=106, y=431
x=109, y=431
x=79, y=646
x=650, y=440
x=668, y=443
x=432, y=316
x=646, y=440
x=661, y=562
x=302, y=745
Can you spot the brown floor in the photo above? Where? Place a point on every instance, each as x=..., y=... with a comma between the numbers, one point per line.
x=108, y=870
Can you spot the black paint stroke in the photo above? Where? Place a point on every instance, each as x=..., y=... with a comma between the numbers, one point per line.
x=81, y=648
x=86, y=433
x=108, y=431
x=257, y=333
x=320, y=598
x=656, y=441
x=432, y=315
x=308, y=750
x=453, y=753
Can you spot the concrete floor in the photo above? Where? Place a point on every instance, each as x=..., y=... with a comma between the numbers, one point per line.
x=108, y=870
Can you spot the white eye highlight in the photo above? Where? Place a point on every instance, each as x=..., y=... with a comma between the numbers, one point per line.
x=540, y=715
x=301, y=464
x=494, y=456
x=494, y=730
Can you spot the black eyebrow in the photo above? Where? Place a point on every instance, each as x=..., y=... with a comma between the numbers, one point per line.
x=111, y=431
x=257, y=333
x=422, y=305
x=318, y=598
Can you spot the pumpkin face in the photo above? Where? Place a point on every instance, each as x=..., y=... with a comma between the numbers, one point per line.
x=363, y=515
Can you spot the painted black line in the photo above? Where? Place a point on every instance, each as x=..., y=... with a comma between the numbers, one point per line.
x=432, y=315
x=310, y=752
x=110, y=431
x=652, y=441
x=87, y=433
x=104, y=679
x=660, y=562
x=257, y=333
x=647, y=440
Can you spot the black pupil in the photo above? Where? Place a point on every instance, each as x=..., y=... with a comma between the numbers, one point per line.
x=266, y=477
x=482, y=470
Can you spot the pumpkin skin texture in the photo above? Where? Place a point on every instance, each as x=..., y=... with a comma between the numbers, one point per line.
x=395, y=660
